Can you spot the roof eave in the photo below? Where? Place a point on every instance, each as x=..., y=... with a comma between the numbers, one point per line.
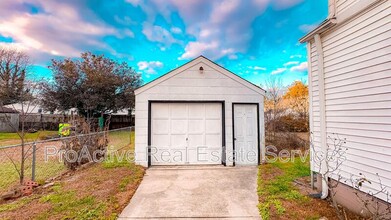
x=325, y=25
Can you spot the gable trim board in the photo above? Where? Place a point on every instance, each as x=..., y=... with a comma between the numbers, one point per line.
x=200, y=59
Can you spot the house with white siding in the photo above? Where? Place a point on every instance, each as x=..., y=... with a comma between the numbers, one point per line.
x=349, y=70
x=199, y=113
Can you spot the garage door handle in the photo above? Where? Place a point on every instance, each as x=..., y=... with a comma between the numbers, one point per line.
x=187, y=139
x=234, y=139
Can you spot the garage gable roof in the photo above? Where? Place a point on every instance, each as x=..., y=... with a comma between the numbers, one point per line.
x=197, y=60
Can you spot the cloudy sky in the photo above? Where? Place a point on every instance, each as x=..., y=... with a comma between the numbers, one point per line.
x=253, y=38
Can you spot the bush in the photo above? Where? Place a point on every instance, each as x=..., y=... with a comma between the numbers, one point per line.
x=286, y=140
x=288, y=123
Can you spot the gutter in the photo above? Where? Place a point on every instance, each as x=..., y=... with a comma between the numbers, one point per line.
x=324, y=26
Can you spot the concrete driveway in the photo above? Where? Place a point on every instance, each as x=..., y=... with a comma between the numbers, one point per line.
x=195, y=192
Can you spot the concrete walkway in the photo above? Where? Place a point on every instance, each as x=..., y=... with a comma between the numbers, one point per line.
x=195, y=192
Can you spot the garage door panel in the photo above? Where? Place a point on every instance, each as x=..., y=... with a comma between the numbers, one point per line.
x=178, y=141
x=213, y=111
x=160, y=110
x=178, y=126
x=196, y=140
x=213, y=126
x=162, y=140
x=196, y=111
x=213, y=140
x=196, y=126
x=178, y=111
x=160, y=126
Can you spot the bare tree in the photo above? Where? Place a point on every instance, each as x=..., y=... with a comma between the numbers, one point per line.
x=19, y=94
x=13, y=68
x=28, y=102
x=273, y=108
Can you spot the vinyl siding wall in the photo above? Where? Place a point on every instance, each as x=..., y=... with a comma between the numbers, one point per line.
x=190, y=85
x=357, y=68
x=342, y=5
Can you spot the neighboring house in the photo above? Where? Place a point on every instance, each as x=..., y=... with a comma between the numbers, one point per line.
x=9, y=119
x=349, y=60
x=31, y=108
x=199, y=113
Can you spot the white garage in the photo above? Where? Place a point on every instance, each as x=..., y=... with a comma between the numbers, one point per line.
x=199, y=114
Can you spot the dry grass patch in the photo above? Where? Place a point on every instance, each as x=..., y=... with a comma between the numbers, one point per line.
x=281, y=198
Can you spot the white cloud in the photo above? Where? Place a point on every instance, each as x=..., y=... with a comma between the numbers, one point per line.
x=134, y=2
x=194, y=49
x=284, y=4
x=149, y=66
x=211, y=21
x=233, y=57
x=176, y=30
x=302, y=67
x=296, y=56
x=259, y=68
x=158, y=34
x=307, y=27
x=127, y=33
x=278, y=71
x=290, y=63
x=211, y=50
x=61, y=31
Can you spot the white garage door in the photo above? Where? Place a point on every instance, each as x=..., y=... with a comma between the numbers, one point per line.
x=186, y=133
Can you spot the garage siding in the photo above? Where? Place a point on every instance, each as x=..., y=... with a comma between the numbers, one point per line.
x=190, y=85
x=357, y=65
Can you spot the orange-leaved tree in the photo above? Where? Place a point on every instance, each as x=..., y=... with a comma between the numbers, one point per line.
x=297, y=98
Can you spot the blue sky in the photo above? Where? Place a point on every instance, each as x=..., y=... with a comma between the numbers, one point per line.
x=253, y=38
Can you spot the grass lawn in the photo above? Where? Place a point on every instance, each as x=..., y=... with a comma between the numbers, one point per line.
x=280, y=198
x=275, y=188
x=13, y=138
x=43, y=171
x=100, y=191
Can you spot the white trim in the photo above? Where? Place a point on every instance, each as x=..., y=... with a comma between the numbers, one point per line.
x=311, y=122
x=194, y=62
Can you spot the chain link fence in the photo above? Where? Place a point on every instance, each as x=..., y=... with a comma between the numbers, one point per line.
x=45, y=159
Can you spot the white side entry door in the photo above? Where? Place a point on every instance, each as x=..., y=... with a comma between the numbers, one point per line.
x=246, y=134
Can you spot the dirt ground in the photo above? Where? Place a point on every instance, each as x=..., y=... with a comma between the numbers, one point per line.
x=96, y=192
x=323, y=207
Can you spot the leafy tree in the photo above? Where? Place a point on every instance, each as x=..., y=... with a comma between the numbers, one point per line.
x=93, y=84
x=13, y=68
x=297, y=98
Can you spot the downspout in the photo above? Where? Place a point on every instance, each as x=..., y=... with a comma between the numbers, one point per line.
x=322, y=114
